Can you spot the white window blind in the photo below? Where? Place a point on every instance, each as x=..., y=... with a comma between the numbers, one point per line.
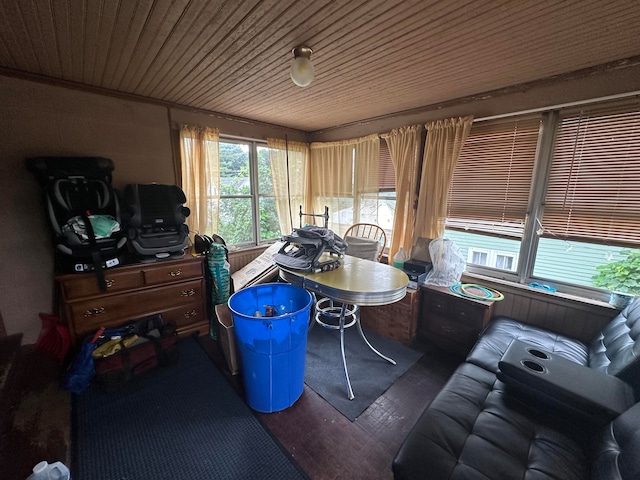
x=492, y=179
x=387, y=172
x=593, y=190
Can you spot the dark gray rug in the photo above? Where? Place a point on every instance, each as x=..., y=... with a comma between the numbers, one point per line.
x=370, y=375
x=181, y=422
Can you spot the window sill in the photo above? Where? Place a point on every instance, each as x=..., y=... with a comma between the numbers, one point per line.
x=476, y=278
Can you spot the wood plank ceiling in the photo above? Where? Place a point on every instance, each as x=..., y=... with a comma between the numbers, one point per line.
x=372, y=58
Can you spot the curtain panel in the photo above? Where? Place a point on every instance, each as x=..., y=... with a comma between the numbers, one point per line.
x=290, y=179
x=404, y=148
x=200, y=167
x=344, y=176
x=444, y=142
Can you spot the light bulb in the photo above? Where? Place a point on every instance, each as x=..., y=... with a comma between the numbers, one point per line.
x=302, y=69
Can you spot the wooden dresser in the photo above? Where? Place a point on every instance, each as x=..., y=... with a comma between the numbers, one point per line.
x=174, y=288
x=397, y=320
x=451, y=321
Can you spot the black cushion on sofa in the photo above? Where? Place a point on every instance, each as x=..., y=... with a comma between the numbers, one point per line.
x=501, y=331
x=475, y=429
x=615, y=350
x=615, y=454
x=480, y=428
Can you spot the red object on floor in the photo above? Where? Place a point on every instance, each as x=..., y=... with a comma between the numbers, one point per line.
x=54, y=339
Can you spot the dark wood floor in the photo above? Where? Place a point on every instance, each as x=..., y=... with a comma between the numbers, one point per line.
x=328, y=446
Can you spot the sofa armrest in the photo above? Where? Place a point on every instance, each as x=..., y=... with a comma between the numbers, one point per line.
x=501, y=331
x=581, y=391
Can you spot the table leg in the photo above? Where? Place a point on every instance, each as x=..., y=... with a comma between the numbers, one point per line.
x=344, y=359
x=390, y=360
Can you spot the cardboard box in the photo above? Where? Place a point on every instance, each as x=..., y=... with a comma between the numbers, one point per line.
x=260, y=270
x=227, y=337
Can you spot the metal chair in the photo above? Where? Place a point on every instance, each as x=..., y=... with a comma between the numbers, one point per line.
x=325, y=308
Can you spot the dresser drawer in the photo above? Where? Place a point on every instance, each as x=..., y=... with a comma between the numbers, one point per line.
x=177, y=271
x=186, y=315
x=89, y=315
x=82, y=285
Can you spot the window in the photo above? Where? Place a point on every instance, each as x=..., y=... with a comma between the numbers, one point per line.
x=247, y=205
x=386, y=198
x=489, y=194
x=355, y=180
x=478, y=257
x=592, y=199
x=492, y=258
x=550, y=198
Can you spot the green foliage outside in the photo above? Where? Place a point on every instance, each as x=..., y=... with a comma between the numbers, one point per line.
x=236, y=214
x=622, y=276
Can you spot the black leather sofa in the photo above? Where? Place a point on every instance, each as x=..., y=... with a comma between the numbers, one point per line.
x=481, y=427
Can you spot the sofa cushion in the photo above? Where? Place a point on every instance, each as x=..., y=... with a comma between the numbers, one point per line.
x=501, y=331
x=615, y=453
x=473, y=429
x=616, y=349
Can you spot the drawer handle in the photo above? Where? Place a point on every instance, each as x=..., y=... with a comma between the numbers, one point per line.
x=188, y=292
x=190, y=314
x=175, y=273
x=94, y=311
x=109, y=283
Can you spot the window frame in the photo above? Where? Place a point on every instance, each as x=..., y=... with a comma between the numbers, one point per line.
x=529, y=242
x=255, y=195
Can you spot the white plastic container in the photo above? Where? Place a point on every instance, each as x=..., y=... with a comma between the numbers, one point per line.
x=399, y=258
x=46, y=471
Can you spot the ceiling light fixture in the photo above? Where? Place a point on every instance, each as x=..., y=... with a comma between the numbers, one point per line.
x=302, y=68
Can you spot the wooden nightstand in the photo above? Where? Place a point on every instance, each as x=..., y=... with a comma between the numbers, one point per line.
x=451, y=321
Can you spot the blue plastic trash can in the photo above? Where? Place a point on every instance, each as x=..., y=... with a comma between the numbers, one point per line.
x=271, y=321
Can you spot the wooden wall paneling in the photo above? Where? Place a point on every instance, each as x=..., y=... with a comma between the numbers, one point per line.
x=562, y=314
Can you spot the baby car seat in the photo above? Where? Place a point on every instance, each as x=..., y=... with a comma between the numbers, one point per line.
x=154, y=217
x=83, y=211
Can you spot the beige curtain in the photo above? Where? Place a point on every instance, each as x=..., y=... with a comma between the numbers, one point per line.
x=404, y=148
x=290, y=180
x=200, y=166
x=445, y=139
x=344, y=176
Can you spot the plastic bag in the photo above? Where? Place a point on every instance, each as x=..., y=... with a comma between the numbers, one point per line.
x=448, y=263
x=82, y=368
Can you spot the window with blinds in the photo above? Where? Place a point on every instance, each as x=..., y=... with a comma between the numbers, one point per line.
x=593, y=190
x=489, y=193
x=387, y=173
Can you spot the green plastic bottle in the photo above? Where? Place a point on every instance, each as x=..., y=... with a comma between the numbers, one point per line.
x=399, y=258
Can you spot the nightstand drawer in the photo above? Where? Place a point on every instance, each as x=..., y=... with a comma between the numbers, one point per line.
x=450, y=320
x=468, y=314
x=453, y=331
